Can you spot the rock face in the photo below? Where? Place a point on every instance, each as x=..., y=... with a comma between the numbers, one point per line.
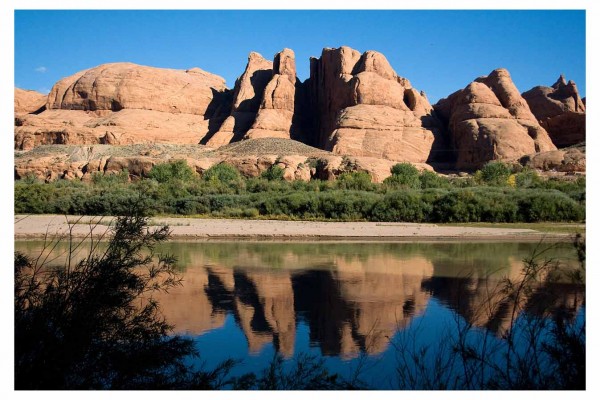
x=29, y=101
x=361, y=107
x=353, y=105
x=247, y=99
x=125, y=103
x=489, y=120
x=560, y=110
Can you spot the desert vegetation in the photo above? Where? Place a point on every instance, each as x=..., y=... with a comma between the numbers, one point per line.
x=496, y=193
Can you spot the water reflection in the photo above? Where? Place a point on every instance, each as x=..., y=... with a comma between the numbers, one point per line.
x=352, y=297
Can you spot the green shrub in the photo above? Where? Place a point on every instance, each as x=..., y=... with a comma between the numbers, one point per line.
x=274, y=173
x=358, y=180
x=495, y=173
x=527, y=178
x=172, y=171
x=404, y=175
x=222, y=172
x=401, y=206
x=431, y=180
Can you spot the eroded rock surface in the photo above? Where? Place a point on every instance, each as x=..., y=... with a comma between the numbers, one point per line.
x=489, y=120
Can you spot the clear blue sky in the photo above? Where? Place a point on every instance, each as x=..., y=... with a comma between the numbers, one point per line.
x=438, y=51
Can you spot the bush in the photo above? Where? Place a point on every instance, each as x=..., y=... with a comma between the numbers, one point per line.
x=274, y=173
x=401, y=206
x=431, y=180
x=94, y=325
x=173, y=171
x=223, y=173
x=358, y=180
x=527, y=178
x=404, y=175
x=495, y=173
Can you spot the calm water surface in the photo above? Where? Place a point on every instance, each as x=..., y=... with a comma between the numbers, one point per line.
x=352, y=303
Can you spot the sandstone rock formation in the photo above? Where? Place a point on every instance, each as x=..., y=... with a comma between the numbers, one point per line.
x=560, y=110
x=124, y=103
x=29, y=101
x=274, y=118
x=363, y=108
x=247, y=99
x=489, y=120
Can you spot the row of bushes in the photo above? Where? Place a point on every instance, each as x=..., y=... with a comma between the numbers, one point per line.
x=485, y=204
x=494, y=194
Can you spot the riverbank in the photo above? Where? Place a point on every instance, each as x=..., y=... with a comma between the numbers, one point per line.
x=40, y=226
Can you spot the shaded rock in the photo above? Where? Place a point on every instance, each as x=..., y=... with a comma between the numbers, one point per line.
x=560, y=110
x=489, y=120
x=247, y=98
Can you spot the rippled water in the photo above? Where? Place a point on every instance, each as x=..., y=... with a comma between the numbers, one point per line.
x=352, y=303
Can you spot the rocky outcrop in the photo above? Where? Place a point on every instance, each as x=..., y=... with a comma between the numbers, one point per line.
x=69, y=161
x=125, y=103
x=560, y=110
x=247, y=99
x=29, y=101
x=489, y=120
x=363, y=108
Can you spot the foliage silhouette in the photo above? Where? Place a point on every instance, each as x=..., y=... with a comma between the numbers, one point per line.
x=95, y=325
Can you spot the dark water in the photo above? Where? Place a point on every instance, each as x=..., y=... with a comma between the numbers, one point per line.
x=356, y=304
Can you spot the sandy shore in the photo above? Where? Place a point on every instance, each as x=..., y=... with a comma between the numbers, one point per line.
x=38, y=226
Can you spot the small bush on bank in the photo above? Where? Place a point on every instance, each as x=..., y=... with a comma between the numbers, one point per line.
x=173, y=171
x=404, y=175
x=223, y=173
x=495, y=173
x=274, y=173
x=357, y=180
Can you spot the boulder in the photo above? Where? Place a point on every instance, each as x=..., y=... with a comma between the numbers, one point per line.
x=560, y=110
x=489, y=120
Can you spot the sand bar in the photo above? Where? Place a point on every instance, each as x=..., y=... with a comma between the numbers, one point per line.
x=38, y=226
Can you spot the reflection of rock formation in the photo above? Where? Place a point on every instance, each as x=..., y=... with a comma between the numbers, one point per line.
x=187, y=307
x=360, y=305
x=262, y=302
x=482, y=302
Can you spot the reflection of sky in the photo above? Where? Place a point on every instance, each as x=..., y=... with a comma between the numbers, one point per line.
x=377, y=370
